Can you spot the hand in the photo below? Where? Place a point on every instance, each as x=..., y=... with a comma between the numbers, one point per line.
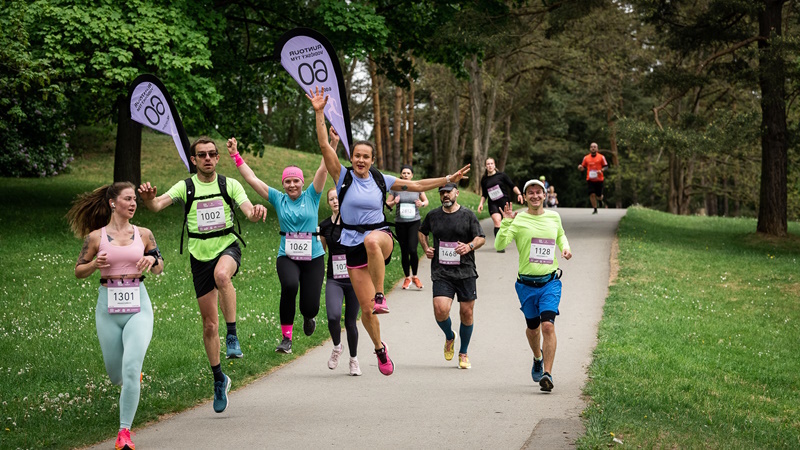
x=520, y=199
x=508, y=211
x=258, y=212
x=318, y=98
x=580, y=167
x=101, y=262
x=429, y=252
x=480, y=207
x=454, y=178
x=418, y=203
x=147, y=192
x=233, y=147
x=462, y=248
x=566, y=254
x=145, y=263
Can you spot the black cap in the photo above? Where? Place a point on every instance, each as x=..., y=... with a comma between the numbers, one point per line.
x=448, y=187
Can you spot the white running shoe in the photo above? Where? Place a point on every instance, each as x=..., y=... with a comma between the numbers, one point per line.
x=354, y=369
x=334, y=361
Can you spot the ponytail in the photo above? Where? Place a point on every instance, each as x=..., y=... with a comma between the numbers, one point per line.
x=90, y=211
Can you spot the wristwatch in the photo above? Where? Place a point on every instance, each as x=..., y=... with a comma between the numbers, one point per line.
x=471, y=246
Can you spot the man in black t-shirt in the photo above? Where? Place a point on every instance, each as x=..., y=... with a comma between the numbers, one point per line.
x=456, y=235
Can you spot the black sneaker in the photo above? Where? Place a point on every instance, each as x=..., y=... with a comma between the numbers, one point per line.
x=595, y=211
x=546, y=383
x=285, y=346
x=309, y=325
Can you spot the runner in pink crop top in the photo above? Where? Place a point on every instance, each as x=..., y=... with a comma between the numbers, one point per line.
x=122, y=259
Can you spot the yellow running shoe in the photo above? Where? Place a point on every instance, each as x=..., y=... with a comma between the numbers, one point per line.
x=449, y=347
x=463, y=361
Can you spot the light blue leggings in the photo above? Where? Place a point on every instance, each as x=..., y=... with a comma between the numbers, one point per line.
x=124, y=339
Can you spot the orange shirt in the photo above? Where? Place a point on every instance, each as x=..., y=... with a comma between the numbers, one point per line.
x=593, y=164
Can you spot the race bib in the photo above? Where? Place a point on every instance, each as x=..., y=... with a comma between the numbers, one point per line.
x=592, y=174
x=210, y=215
x=495, y=192
x=408, y=210
x=298, y=246
x=339, y=263
x=542, y=251
x=448, y=255
x=123, y=296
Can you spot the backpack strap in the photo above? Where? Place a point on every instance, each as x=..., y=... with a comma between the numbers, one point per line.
x=347, y=182
x=190, y=199
x=186, y=208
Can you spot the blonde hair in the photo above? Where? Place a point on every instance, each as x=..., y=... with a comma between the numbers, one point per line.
x=90, y=210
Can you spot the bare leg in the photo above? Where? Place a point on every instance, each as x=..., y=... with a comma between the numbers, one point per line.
x=441, y=308
x=365, y=292
x=593, y=199
x=549, y=335
x=535, y=340
x=497, y=218
x=379, y=246
x=210, y=316
x=466, y=310
x=223, y=272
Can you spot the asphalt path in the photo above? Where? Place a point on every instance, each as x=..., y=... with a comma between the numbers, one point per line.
x=428, y=402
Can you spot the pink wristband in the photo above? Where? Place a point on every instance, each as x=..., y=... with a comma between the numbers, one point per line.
x=237, y=159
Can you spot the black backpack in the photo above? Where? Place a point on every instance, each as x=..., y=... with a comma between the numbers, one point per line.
x=347, y=182
x=190, y=198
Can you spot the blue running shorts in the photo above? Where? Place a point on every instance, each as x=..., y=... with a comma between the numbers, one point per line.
x=534, y=300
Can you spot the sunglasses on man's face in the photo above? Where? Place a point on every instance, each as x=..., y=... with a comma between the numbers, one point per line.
x=202, y=155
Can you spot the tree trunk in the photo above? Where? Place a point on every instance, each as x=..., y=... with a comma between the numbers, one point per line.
x=491, y=107
x=614, y=157
x=687, y=174
x=501, y=166
x=435, y=163
x=410, y=127
x=128, y=150
x=397, y=129
x=404, y=123
x=455, y=131
x=772, y=210
x=475, y=101
x=376, y=113
x=674, y=164
x=387, y=137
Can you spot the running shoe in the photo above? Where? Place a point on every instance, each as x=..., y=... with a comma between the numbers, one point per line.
x=285, y=346
x=124, y=441
x=333, y=362
x=546, y=383
x=309, y=325
x=355, y=370
x=595, y=211
x=501, y=251
x=380, y=306
x=385, y=364
x=463, y=361
x=406, y=283
x=417, y=282
x=449, y=347
x=538, y=369
x=221, y=389
x=232, y=347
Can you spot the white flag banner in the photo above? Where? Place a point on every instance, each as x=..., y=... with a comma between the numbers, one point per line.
x=310, y=59
x=152, y=106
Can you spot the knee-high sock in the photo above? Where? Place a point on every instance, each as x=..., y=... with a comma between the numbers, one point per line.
x=466, y=335
x=447, y=326
x=496, y=229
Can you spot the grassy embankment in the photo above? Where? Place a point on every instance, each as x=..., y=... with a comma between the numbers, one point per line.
x=699, y=338
x=55, y=392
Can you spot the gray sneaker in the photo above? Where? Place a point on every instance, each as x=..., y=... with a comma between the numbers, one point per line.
x=546, y=383
x=221, y=389
x=285, y=346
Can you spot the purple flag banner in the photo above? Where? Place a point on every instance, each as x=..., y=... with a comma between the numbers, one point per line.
x=311, y=60
x=152, y=106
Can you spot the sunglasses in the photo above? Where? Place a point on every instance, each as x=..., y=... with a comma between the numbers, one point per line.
x=202, y=155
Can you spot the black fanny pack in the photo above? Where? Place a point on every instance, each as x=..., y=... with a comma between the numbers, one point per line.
x=534, y=281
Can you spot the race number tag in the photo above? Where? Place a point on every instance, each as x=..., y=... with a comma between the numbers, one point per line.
x=448, y=255
x=542, y=251
x=210, y=215
x=592, y=174
x=408, y=210
x=495, y=192
x=298, y=246
x=123, y=296
x=339, y=263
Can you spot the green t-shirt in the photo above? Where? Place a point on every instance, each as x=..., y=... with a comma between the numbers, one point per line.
x=208, y=249
x=536, y=237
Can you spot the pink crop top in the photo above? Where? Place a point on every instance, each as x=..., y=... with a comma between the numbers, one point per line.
x=122, y=259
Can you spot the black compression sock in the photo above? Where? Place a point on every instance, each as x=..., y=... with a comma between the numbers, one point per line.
x=217, y=371
x=231, y=328
x=496, y=229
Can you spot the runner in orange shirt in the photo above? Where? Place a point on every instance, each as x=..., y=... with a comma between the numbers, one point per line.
x=594, y=164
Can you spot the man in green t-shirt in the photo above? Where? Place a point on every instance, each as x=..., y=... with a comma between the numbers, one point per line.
x=215, y=256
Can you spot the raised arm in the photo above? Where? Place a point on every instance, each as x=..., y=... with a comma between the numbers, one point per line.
x=428, y=183
x=148, y=195
x=245, y=170
x=318, y=102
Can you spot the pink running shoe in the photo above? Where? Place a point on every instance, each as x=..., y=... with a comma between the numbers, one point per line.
x=124, y=440
x=385, y=364
x=379, y=306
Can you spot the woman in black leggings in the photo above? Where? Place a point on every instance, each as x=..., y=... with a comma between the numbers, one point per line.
x=338, y=289
x=407, y=221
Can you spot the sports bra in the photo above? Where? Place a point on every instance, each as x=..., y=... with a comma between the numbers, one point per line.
x=122, y=259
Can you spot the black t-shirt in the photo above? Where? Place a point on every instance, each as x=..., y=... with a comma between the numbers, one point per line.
x=331, y=234
x=459, y=226
x=498, y=179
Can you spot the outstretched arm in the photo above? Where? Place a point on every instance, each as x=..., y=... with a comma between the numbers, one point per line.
x=245, y=170
x=254, y=212
x=318, y=102
x=428, y=183
x=148, y=195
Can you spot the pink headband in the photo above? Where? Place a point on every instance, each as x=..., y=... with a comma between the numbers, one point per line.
x=292, y=171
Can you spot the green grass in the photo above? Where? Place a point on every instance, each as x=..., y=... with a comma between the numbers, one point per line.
x=54, y=389
x=699, y=337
